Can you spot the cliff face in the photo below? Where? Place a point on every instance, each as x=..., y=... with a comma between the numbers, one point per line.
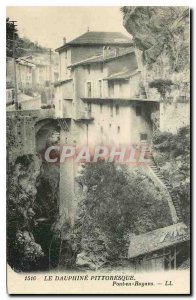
x=32, y=209
x=23, y=251
x=162, y=40
x=158, y=30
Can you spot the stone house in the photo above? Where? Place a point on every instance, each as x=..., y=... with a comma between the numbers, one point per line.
x=100, y=90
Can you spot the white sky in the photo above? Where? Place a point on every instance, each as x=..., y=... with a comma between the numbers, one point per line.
x=48, y=25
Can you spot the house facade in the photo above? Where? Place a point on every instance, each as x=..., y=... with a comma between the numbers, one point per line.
x=24, y=73
x=100, y=89
x=35, y=75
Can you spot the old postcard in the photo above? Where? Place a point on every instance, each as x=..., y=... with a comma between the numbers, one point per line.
x=98, y=150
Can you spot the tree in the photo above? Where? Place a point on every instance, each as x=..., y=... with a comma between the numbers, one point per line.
x=162, y=86
x=119, y=202
x=23, y=46
x=10, y=32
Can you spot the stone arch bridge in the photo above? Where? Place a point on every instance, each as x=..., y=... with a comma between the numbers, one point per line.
x=23, y=127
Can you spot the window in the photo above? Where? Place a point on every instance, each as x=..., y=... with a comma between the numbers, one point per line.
x=101, y=128
x=89, y=69
x=143, y=136
x=89, y=90
x=59, y=104
x=101, y=108
x=89, y=108
x=121, y=89
x=111, y=89
x=110, y=125
x=118, y=129
x=117, y=109
x=138, y=110
x=100, y=88
x=111, y=109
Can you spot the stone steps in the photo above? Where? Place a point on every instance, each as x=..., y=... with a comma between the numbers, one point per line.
x=157, y=174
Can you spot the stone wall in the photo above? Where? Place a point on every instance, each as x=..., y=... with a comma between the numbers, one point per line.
x=20, y=135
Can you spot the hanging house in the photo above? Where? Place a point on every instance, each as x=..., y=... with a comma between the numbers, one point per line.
x=161, y=249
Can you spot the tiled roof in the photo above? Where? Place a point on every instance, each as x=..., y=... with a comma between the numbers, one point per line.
x=158, y=239
x=99, y=38
x=125, y=74
x=60, y=82
x=23, y=61
x=99, y=57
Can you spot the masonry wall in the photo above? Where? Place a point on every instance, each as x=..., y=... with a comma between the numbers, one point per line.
x=68, y=171
x=34, y=103
x=82, y=52
x=173, y=116
x=20, y=135
x=116, y=122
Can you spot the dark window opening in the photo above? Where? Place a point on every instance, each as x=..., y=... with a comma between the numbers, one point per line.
x=100, y=88
x=101, y=128
x=111, y=89
x=89, y=107
x=117, y=109
x=138, y=110
x=89, y=69
x=143, y=136
x=118, y=129
x=101, y=108
x=111, y=109
x=89, y=90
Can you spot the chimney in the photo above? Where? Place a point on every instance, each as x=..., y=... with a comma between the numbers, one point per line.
x=64, y=40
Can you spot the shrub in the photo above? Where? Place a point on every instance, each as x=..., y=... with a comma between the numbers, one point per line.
x=162, y=85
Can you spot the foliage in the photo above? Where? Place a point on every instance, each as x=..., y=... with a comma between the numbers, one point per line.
x=119, y=202
x=23, y=46
x=47, y=106
x=162, y=86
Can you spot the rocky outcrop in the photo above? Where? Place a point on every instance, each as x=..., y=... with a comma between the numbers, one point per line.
x=23, y=251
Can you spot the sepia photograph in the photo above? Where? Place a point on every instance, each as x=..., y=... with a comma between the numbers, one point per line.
x=98, y=149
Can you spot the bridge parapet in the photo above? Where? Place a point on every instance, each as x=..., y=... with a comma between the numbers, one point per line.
x=34, y=113
x=21, y=131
